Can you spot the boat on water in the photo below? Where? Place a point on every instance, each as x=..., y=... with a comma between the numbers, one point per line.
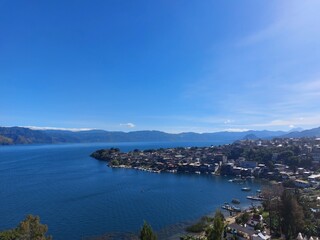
x=246, y=189
x=237, y=180
x=255, y=198
x=235, y=201
x=226, y=207
x=231, y=208
x=236, y=209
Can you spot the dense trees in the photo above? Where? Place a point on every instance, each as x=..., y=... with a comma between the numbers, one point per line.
x=292, y=215
x=288, y=214
x=28, y=229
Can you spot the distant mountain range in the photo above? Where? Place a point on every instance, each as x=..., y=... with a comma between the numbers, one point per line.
x=22, y=135
x=314, y=132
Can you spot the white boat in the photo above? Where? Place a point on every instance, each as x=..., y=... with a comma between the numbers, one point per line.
x=255, y=198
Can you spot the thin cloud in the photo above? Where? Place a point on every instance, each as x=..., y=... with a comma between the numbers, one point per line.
x=311, y=121
x=236, y=129
x=128, y=125
x=227, y=121
x=296, y=19
x=57, y=128
x=312, y=86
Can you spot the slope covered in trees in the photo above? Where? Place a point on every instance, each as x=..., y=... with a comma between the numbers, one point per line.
x=22, y=135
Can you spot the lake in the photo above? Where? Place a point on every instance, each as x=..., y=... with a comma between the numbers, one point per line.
x=77, y=196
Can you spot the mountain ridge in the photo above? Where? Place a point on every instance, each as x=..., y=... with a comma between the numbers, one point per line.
x=314, y=132
x=23, y=135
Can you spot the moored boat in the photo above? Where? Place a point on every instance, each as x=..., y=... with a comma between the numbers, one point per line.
x=226, y=207
x=255, y=198
x=236, y=209
x=235, y=201
x=246, y=189
x=231, y=208
x=237, y=180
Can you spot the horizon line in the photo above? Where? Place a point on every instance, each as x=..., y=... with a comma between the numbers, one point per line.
x=91, y=129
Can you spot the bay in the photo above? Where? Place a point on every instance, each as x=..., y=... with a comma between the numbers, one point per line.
x=77, y=196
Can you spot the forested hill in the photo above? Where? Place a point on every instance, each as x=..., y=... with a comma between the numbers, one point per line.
x=21, y=135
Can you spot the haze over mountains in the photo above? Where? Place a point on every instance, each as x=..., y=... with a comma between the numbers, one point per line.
x=22, y=135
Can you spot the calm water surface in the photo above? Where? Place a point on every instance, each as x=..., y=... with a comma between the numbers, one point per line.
x=77, y=196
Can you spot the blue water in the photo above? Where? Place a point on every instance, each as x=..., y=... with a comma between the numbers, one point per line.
x=77, y=196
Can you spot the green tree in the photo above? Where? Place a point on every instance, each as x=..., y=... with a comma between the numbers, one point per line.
x=243, y=218
x=272, y=204
x=115, y=162
x=218, y=227
x=9, y=235
x=285, y=156
x=146, y=232
x=28, y=229
x=292, y=215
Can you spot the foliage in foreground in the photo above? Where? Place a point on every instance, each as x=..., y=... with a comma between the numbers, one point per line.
x=146, y=232
x=289, y=212
x=28, y=229
x=218, y=227
x=212, y=228
x=200, y=226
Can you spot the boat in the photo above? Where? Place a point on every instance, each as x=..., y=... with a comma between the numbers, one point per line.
x=231, y=208
x=246, y=189
x=236, y=209
x=255, y=198
x=227, y=207
x=237, y=180
x=235, y=201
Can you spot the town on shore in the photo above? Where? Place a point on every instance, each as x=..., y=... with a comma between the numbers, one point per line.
x=290, y=208
x=293, y=161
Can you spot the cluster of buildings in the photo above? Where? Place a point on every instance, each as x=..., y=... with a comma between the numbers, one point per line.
x=248, y=230
x=187, y=160
x=306, y=151
x=220, y=160
x=284, y=160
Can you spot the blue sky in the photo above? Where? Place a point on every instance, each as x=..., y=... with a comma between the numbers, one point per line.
x=175, y=66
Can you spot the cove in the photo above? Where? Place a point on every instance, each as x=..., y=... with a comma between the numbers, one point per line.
x=78, y=196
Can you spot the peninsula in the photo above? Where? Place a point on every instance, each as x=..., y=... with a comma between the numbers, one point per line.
x=280, y=159
x=292, y=165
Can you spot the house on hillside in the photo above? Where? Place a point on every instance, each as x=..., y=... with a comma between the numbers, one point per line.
x=246, y=232
x=255, y=220
x=301, y=183
x=260, y=236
